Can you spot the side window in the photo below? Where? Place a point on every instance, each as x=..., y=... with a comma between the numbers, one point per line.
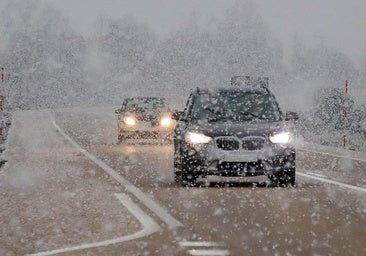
x=276, y=108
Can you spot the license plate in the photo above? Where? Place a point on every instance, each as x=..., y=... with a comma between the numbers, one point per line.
x=145, y=126
x=234, y=166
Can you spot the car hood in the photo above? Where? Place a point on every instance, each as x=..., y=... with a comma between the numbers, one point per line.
x=147, y=115
x=240, y=129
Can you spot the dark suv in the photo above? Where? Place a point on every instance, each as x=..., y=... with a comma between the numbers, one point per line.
x=234, y=131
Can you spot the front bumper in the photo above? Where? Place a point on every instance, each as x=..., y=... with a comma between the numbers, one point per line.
x=145, y=130
x=207, y=159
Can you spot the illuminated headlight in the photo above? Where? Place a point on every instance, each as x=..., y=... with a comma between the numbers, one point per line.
x=280, y=138
x=166, y=121
x=130, y=121
x=196, y=138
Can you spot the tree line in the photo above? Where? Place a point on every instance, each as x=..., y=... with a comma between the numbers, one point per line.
x=54, y=66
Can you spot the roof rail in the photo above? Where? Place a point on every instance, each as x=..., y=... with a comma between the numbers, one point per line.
x=247, y=81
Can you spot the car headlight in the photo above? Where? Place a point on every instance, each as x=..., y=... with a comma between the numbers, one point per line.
x=130, y=121
x=166, y=122
x=197, y=138
x=281, y=138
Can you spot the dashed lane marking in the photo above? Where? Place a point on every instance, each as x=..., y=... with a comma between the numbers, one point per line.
x=146, y=200
x=213, y=251
x=195, y=252
x=149, y=226
x=198, y=244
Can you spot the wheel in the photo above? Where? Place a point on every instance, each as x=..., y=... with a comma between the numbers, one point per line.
x=177, y=168
x=287, y=178
x=183, y=172
x=291, y=178
x=188, y=178
x=284, y=178
x=121, y=137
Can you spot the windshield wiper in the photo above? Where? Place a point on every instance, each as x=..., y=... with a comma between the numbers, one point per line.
x=245, y=113
x=217, y=115
x=216, y=118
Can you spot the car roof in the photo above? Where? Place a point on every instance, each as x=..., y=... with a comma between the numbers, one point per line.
x=242, y=84
x=146, y=98
x=232, y=90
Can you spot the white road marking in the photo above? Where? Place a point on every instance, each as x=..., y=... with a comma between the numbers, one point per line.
x=316, y=174
x=194, y=252
x=344, y=185
x=333, y=154
x=146, y=200
x=148, y=224
x=198, y=244
x=208, y=252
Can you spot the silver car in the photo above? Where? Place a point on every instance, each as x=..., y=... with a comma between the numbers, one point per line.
x=144, y=117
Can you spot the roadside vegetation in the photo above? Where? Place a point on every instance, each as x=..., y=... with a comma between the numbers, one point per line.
x=50, y=65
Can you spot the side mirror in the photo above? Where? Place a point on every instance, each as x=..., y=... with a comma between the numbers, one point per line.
x=291, y=116
x=178, y=116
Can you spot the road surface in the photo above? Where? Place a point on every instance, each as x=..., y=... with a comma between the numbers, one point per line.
x=69, y=189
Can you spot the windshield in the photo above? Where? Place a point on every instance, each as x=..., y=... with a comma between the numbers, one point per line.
x=145, y=104
x=237, y=106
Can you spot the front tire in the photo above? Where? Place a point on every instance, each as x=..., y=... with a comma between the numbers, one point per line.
x=183, y=172
x=121, y=137
x=286, y=175
x=287, y=178
x=177, y=168
x=188, y=178
x=283, y=180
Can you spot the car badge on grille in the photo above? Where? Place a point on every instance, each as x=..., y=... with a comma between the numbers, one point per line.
x=249, y=143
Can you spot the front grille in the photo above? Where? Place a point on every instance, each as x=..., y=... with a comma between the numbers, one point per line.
x=232, y=166
x=247, y=143
x=227, y=143
x=253, y=143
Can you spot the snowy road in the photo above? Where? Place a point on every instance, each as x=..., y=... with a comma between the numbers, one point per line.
x=57, y=199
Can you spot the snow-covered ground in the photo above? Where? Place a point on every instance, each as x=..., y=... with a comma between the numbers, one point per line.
x=48, y=190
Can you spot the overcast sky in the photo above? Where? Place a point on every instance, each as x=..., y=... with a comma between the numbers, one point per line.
x=339, y=24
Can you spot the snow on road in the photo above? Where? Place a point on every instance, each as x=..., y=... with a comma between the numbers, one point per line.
x=51, y=196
